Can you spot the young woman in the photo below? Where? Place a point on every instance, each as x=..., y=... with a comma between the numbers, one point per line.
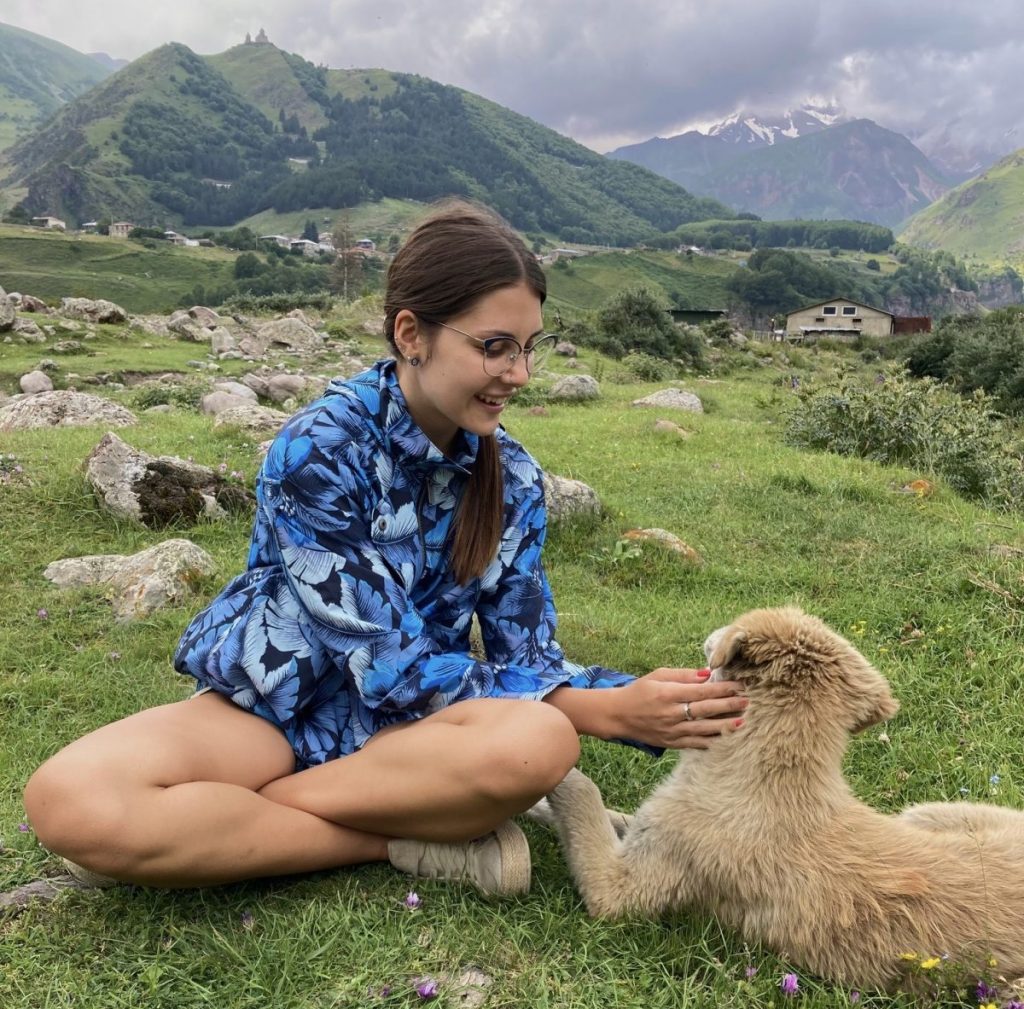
x=340, y=717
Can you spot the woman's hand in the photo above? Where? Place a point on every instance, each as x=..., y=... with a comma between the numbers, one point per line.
x=677, y=708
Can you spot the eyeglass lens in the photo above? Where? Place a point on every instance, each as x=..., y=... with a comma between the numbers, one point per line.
x=500, y=355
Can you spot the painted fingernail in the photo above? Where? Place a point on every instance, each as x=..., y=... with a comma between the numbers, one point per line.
x=703, y=674
x=738, y=723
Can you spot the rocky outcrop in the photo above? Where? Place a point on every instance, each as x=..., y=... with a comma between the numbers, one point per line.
x=259, y=421
x=567, y=498
x=92, y=310
x=7, y=314
x=672, y=399
x=157, y=491
x=575, y=388
x=63, y=408
x=139, y=583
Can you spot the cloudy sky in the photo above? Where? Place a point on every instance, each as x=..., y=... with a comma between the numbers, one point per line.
x=608, y=72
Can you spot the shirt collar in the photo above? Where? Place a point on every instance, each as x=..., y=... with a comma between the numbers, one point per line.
x=410, y=446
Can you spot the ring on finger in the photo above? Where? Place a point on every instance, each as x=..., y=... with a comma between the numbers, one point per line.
x=687, y=713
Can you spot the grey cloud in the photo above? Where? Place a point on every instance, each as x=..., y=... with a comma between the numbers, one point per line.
x=607, y=72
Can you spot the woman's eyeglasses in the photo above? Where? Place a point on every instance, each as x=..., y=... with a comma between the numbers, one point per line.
x=502, y=352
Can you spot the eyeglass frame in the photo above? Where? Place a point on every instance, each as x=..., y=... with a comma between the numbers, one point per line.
x=484, y=342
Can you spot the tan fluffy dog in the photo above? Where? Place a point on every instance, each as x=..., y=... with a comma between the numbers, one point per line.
x=762, y=830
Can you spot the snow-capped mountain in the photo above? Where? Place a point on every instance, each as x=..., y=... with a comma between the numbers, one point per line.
x=752, y=129
x=813, y=161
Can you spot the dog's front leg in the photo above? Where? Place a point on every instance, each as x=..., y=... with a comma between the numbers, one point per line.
x=592, y=846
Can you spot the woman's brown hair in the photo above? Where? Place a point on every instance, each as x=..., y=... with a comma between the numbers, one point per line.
x=460, y=253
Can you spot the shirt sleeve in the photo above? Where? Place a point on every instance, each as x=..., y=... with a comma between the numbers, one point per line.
x=517, y=615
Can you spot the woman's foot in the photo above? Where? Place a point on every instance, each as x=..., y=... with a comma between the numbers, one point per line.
x=497, y=863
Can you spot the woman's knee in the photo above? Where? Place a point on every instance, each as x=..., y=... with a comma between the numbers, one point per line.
x=76, y=806
x=530, y=750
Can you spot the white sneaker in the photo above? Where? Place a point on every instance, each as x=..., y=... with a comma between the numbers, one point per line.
x=87, y=877
x=497, y=863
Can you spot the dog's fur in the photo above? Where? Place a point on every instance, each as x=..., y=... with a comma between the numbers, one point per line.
x=762, y=830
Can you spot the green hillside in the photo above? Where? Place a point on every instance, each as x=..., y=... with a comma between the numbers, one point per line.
x=587, y=283
x=176, y=138
x=982, y=218
x=50, y=266
x=37, y=76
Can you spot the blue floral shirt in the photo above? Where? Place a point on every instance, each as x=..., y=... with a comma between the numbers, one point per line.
x=348, y=617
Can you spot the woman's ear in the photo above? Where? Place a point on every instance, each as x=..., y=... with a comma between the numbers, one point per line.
x=409, y=337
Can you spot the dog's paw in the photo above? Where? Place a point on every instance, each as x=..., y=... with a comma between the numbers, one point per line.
x=541, y=812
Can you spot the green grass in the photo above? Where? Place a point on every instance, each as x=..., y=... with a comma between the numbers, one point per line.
x=896, y=573
x=588, y=282
x=377, y=220
x=50, y=265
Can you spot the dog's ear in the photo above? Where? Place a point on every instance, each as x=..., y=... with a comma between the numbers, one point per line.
x=872, y=701
x=725, y=645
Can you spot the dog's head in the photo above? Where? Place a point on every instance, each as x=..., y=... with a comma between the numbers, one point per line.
x=788, y=653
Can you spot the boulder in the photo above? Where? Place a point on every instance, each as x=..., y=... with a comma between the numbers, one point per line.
x=221, y=341
x=206, y=317
x=575, y=388
x=259, y=421
x=185, y=327
x=292, y=334
x=7, y=314
x=35, y=382
x=258, y=384
x=31, y=304
x=156, y=491
x=28, y=331
x=565, y=348
x=139, y=583
x=92, y=310
x=567, y=498
x=63, y=408
x=69, y=347
x=284, y=387
x=235, y=389
x=668, y=427
x=217, y=402
x=672, y=399
x=154, y=325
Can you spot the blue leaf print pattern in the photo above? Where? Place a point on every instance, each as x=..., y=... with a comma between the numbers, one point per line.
x=348, y=617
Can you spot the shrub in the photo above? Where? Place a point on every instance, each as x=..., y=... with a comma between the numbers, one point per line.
x=634, y=320
x=645, y=368
x=187, y=395
x=916, y=423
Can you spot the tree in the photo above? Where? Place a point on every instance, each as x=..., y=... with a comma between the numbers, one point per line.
x=347, y=269
x=309, y=232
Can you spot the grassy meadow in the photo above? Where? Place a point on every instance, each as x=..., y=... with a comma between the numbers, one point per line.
x=930, y=588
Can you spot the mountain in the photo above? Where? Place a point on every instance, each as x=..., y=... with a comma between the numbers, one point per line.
x=957, y=151
x=812, y=162
x=106, y=60
x=856, y=170
x=689, y=158
x=983, y=217
x=179, y=138
x=37, y=76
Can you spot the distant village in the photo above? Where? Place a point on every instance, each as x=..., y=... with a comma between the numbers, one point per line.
x=124, y=229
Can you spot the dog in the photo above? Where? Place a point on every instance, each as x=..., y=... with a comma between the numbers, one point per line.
x=762, y=830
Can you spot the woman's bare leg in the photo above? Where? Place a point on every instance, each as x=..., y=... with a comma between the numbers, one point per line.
x=200, y=792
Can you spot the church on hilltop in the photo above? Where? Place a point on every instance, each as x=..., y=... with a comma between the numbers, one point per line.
x=260, y=40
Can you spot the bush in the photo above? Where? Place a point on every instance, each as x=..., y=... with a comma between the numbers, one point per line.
x=188, y=395
x=635, y=321
x=645, y=368
x=916, y=423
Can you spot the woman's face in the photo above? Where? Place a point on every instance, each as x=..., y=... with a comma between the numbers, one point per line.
x=450, y=389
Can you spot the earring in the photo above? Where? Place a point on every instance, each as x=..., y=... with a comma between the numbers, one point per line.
x=414, y=361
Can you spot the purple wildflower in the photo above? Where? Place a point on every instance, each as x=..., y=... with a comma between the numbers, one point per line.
x=237, y=474
x=385, y=991
x=248, y=921
x=750, y=972
x=43, y=613
x=223, y=467
x=790, y=984
x=427, y=989
x=985, y=992
x=1014, y=1004
x=412, y=900
x=854, y=996
x=24, y=828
